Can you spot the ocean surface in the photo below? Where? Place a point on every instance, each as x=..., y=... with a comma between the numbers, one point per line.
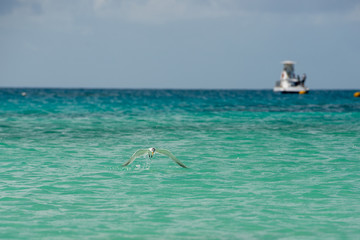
x=261, y=165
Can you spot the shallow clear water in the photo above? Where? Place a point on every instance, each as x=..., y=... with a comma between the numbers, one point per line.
x=261, y=165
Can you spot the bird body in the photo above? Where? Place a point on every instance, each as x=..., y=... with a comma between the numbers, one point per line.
x=150, y=152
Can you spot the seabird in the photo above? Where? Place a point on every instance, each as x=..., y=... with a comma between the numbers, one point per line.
x=150, y=152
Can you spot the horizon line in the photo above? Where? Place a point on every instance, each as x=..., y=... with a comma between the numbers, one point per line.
x=180, y=89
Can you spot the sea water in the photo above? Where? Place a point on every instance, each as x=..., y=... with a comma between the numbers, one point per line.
x=261, y=165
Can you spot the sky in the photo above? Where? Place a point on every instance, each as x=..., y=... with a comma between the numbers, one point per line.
x=178, y=44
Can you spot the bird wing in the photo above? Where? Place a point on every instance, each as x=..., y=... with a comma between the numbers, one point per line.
x=137, y=154
x=170, y=155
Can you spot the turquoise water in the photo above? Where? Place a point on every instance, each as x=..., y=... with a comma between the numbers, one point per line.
x=261, y=165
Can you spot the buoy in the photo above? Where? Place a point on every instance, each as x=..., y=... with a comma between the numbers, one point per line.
x=302, y=92
x=357, y=94
x=23, y=94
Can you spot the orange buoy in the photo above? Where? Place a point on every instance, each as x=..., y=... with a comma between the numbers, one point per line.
x=357, y=94
x=302, y=92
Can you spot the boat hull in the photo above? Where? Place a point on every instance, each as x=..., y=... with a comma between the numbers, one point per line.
x=298, y=89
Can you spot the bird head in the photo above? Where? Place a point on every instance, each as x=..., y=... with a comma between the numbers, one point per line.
x=152, y=152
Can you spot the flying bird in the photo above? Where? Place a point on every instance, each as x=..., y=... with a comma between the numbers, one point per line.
x=150, y=152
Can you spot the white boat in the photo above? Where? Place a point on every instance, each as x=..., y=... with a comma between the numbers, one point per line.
x=289, y=82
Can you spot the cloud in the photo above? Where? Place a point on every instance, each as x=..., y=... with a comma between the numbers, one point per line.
x=354, y=15
x=164, y=11
x=159, y=11
x=8, y=7
x=99, y=3
x=297, y=7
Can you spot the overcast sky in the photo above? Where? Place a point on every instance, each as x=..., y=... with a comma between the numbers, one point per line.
x=231, y=44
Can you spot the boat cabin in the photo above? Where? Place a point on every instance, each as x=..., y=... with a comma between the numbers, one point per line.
x=288, y=70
